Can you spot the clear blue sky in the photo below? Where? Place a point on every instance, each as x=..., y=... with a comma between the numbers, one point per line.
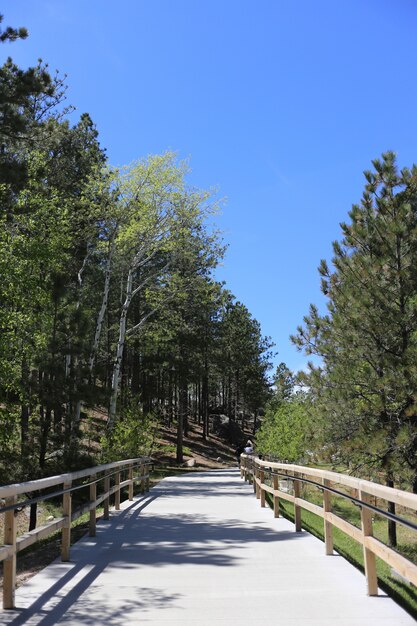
x=280, y=103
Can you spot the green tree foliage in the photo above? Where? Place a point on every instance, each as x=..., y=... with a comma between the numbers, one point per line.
x=107, y=294
x=284, y=384
x=285, y=434
x=366, y=385
x=133, y=434
x=245, y=360
x=11, y=34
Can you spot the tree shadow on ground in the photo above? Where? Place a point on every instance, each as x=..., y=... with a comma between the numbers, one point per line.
x=224, y=483
x=125, y=548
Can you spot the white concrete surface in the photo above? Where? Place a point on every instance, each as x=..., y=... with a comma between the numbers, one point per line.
x=199, y=550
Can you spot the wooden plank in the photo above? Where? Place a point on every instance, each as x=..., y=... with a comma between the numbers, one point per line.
x=284, y=495
x=66, y=529
x=297, y=508
x=261, y=487
x=33, y=536
x=309, y=506
x=328, y=528
x=147, y=478
x=395, y=560
x=368, y=555
x=100, y=499
x=93, y=510
x=88, y=506
x=113, y=489
x=38, y=485
x=5, y=552
x=117, y=491
x=106, y=505
x=276, y=498
x=345, y=526
x=9, y=565
x=130, y=481
x=404, y=498
x=400, y=497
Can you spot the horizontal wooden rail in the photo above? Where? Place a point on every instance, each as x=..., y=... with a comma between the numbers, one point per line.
x=135, y=470
x=359, y=491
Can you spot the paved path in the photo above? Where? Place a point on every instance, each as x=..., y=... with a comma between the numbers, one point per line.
x=195, y=551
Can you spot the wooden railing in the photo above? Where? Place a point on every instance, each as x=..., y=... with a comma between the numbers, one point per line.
x=266, y=477
x=108, y=479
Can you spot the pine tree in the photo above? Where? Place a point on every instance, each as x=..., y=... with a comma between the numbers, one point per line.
x=367, y=383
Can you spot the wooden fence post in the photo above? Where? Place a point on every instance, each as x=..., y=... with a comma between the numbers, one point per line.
x=255, y=482
x=368, y=555
x=328, y=526
x=9, y=567
x=262, y=491
x=297, y=508
x=147, y=476
x=66, y=529
x=142, y=475
x=93, y=511
x=106, y=501
x=131, y=481
x=276, y=498
x=117, y=493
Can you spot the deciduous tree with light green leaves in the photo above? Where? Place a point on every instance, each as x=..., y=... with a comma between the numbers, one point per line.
x=108, y=303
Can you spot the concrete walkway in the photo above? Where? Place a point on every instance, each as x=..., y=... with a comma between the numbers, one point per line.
x=199, y=550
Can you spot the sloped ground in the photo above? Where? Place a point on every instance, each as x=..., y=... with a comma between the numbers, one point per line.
x=210, y=454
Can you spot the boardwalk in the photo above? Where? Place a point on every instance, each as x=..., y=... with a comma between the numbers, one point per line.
x=194, y=551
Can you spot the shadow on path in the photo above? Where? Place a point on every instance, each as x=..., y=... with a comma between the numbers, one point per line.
x=129, y=541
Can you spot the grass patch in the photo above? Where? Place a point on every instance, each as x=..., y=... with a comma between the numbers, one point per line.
x=403, y=593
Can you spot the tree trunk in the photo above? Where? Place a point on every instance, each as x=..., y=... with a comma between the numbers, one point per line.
x=184, y=407
x=170, y=400
x=115, y=385
x=237, y=399
x=24, y=434
x=180, y=427
x=135, y=382
x=24, y=417
x=205, y=401
x=33, y=515
x=58, y=418
x=103, y=308
x=229, y=398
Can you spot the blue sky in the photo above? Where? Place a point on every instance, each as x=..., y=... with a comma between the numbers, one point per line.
x=281, y=104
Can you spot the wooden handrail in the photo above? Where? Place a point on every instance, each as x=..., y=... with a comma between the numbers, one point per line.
x=256, y=470
x=137, y=470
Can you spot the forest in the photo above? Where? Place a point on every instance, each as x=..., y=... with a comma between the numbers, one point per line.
x=108, y=295
x=109, y=301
